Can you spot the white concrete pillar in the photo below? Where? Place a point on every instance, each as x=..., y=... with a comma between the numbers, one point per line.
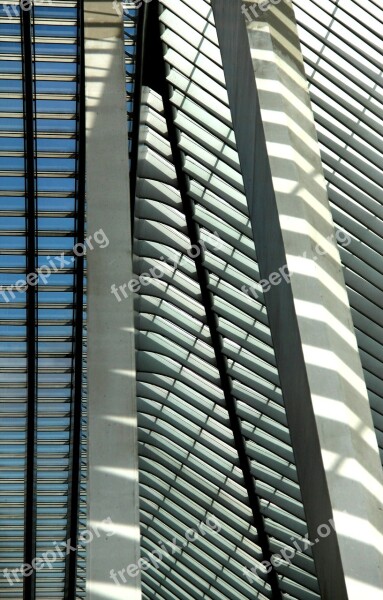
x=321, y=375
x=112, y=443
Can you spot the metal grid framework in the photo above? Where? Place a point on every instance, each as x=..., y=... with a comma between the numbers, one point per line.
x=42, y=181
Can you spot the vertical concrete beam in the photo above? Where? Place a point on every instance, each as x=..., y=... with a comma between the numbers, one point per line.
x=322, y=380
x=112, y=443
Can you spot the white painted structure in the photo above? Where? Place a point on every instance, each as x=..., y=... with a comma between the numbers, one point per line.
x=112, y=414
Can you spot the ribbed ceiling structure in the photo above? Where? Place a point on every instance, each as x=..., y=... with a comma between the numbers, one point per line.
x=190, y=457
x=214, y=442
x=41, y=351
x=208, y=384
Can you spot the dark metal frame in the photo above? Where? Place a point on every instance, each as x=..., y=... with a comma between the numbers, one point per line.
x=77, y=382
x=140, y=49
x=27, y=35
x=30, y=191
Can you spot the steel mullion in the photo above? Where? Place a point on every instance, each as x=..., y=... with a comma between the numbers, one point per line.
x=76, y=408
x=30, y=483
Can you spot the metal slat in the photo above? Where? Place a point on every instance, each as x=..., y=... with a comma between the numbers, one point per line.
x=216, y=195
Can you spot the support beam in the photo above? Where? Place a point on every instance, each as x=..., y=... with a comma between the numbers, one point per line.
x=322, y=380
x=112, y=419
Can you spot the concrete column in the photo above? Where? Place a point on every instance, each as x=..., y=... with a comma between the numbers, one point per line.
x=319, y=364
x=113, y=462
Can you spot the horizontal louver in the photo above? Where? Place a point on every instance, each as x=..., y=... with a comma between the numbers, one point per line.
x=186, y=445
